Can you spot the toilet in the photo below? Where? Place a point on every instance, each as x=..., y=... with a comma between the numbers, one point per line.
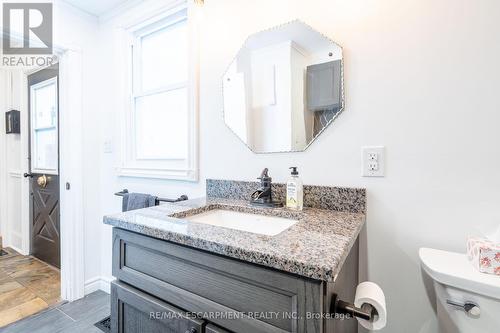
x=467, y=301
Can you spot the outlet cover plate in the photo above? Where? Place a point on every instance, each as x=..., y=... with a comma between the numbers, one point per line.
x=373, y=161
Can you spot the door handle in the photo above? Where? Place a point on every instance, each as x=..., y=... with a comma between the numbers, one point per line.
x=26, y=175
x=42, y=181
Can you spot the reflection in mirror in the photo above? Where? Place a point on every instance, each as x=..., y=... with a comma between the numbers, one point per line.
x=284, y=87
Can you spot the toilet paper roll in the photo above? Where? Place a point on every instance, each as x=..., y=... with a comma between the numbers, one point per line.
x=371, y=293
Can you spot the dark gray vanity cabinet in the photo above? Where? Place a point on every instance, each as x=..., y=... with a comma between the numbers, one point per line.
x=138, y=312
x=166, y=287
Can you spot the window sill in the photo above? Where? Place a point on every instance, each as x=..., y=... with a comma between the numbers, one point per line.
x=182, y=175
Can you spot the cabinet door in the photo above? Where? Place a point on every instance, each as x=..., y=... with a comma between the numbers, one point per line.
x=133, y=311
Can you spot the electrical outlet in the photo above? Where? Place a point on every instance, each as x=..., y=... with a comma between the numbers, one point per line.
x=372, y=166
x=373, y=161
x=372, y=156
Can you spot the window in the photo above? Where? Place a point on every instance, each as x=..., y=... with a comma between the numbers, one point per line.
x=43, y=98
x=159, y=134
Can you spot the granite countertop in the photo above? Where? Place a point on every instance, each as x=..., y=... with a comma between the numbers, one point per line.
x=315, y=247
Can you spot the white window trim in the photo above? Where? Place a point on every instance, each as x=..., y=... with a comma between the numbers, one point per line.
x=128, y=166
x=33, y=88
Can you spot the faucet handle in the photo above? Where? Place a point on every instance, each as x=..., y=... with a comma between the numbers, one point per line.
x=264, y=174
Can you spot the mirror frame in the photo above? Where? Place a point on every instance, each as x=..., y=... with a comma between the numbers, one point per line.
x=341, y=109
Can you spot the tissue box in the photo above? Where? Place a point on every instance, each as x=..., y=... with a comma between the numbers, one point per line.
x=484, y=255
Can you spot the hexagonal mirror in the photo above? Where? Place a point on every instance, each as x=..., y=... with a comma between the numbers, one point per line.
x=284, y=87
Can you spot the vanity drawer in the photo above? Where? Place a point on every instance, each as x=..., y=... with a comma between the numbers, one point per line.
x=199, y=281
x=133, y=311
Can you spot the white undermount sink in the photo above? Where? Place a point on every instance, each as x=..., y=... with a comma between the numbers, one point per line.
x=258, y=224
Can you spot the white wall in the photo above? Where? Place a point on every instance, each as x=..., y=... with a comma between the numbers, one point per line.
x=421, y=78
x=13, y=170
x=300, y=117
x=10, y=226
x=79, y=30
x=270, y=69
x=4, y=105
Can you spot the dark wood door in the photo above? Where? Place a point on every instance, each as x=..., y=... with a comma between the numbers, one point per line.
x=44, y=165
x=45, y=230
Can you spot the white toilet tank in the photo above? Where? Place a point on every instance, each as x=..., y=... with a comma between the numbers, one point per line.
x=475, y=296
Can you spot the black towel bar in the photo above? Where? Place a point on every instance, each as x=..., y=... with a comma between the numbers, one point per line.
x=181, y=198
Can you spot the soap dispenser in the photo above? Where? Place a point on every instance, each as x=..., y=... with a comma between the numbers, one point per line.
x=294, y=191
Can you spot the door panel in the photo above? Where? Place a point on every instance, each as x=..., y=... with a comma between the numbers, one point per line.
x=44, y=165
x=45, y=237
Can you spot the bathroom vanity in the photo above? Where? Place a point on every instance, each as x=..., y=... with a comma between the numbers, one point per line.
x=177, y=272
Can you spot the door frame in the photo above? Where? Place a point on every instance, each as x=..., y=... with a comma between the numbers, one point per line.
x=70, y=170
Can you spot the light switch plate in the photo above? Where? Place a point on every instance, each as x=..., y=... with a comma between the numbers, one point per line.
x=373, y=161
x=108, y=146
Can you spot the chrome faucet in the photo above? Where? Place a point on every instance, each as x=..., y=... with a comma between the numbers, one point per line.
x=263, y=196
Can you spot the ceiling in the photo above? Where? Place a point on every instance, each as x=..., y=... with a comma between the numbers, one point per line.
x=96, y=7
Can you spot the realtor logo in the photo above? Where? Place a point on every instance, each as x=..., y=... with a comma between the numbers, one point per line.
x=27, y=28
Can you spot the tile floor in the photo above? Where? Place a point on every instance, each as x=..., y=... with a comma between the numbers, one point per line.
x=27, y=286
x=76, y=317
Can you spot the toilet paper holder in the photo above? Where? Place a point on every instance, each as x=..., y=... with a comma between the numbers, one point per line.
x=366, y=312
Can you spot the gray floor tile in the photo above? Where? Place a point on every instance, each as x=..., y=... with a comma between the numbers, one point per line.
x=86, y=306
x=82, y=329
x=78, y=316
x=47, y=321
x=87, y=323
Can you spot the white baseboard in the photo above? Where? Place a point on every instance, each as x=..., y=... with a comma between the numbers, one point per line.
x=15, y=248
x=98, y=283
